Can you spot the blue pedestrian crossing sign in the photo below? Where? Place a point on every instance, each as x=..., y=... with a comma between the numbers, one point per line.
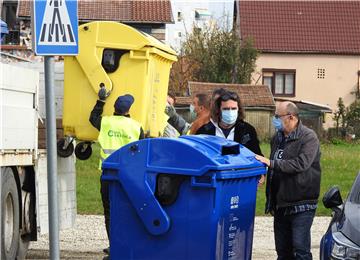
x=55, y=27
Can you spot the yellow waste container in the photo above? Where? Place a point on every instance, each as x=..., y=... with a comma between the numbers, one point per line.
x=125, y=61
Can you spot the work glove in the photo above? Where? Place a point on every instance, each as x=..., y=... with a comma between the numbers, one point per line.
x=170, y=111
x=103, y=94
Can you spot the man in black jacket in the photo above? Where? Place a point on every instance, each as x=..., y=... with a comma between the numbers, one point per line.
x=293, y=182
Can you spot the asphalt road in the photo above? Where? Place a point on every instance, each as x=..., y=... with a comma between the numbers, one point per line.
x=87, y=239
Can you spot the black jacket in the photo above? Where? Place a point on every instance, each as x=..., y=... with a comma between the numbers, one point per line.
x=95, y=117
x=244, y=134
x=295, y=179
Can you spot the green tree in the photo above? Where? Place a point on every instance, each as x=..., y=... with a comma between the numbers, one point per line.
x=353, y=117
x=340, y=115
x=220, y=55
x=215, y=55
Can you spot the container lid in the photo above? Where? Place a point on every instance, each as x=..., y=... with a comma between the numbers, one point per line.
x=120, y=36
x=3, y=27
x=192, y=155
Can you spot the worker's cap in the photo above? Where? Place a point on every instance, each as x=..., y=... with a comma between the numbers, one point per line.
x=123, y=103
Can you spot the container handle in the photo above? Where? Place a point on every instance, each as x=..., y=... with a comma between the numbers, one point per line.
x=205, y=181
x=90, y=62
x=140, y=57
x=147, y=207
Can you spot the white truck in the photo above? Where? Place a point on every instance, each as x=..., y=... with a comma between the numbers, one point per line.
x=23, y=167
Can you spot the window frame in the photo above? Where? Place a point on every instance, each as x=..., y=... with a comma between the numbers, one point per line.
x=179, y=16
x=201, y=14
x=273, y=86
x=13, y=25
x=321, y=73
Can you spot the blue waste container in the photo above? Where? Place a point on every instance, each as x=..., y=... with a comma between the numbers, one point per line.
x=3, y=30
x=183, y=198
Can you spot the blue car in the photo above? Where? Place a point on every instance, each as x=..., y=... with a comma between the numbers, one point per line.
x=342, y=239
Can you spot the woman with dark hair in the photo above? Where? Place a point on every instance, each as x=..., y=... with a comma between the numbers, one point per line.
x=227, y=121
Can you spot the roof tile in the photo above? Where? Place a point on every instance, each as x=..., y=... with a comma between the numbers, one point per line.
x=302, y=26
x=250, y=95
x=149, y=11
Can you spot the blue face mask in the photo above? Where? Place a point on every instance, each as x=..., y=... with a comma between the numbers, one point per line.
x=277, y=123
x=229, y=116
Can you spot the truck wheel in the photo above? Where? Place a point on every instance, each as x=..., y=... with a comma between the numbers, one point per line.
x=63, y=149
x=83, y=150
x=9, y=215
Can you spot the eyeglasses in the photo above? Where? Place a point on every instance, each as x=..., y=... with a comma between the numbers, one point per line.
x=229, y=95
x=229, y=108
x=280, y=116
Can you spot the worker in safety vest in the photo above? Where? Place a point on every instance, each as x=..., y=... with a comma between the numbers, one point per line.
x=114, y=132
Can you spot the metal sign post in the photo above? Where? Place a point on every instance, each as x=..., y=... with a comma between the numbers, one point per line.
x=55, y=32
x=51, y=158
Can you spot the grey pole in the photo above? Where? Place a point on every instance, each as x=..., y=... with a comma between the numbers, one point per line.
x=51, y=158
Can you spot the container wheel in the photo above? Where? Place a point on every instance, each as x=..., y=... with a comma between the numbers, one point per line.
x=10, y=212
x=64, y=148
x=83, y=150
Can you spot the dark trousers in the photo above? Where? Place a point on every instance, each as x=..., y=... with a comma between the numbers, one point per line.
x=292, y=235
x=106, y=205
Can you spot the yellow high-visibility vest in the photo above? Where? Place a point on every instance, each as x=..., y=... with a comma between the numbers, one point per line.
x=115, y=132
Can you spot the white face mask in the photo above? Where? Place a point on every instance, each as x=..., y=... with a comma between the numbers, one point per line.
x=192, y=109
x=193, y=114
x=229, y=117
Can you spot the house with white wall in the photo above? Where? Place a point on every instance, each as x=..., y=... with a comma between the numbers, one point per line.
x=309, y=50
x=188, y=13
